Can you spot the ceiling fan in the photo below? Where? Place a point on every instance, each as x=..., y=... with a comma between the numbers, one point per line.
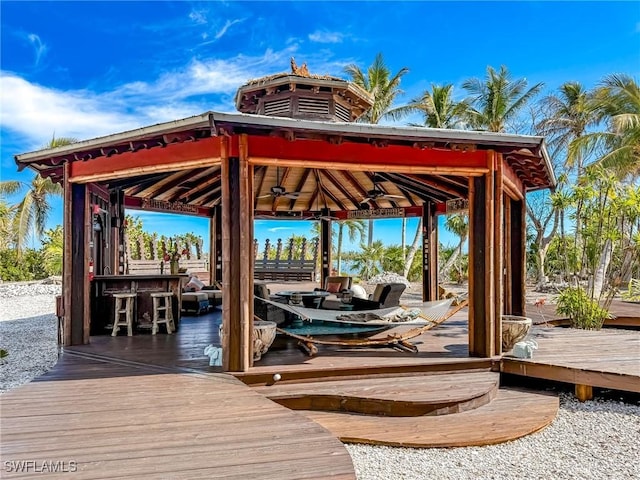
x=377, y=193
x=325, y=214
x=278, y=191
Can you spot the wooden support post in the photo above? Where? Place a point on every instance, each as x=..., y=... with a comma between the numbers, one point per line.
x=325, y=248
x=508, y=263
x=518, y=257
x=498, y=249
x=429, y=252
x=584, y=392
x=215, y=256
x=481, y=265
x=237, y=256
x=77, y=308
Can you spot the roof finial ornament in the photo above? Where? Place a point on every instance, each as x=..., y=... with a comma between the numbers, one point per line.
x=301, y=71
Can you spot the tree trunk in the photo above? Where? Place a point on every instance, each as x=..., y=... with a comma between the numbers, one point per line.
x=452, y=259
x=404, y=241
x=370, y=233
x=600, y=274
x=339, y=248
x=414, y=249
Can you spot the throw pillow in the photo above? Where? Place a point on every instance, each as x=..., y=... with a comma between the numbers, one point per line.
x=195, y=283
x=334, y=287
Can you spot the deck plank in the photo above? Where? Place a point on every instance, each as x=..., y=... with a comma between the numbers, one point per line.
x=149, y=424
x=511, y=415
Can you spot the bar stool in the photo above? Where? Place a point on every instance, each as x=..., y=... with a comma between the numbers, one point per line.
x=162, y=302
x=124, y=306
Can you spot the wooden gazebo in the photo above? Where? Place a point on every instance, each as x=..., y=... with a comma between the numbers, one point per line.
x=231, y=167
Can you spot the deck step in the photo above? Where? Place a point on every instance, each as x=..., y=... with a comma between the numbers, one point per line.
x=511, y=415
x=393, y=396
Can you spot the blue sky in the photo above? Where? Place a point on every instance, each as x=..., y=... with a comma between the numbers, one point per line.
x=86, y=69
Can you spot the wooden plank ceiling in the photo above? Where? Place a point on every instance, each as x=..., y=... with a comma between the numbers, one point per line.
x=299, y=192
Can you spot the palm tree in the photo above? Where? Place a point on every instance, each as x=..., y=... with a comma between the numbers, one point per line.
x=437, y=107
x=618, y=103
x=384, y=88
x=369, y=260
x=496, y=100
x=457, y=224
x=31, y=213
x=355, y=230
x=570, y=113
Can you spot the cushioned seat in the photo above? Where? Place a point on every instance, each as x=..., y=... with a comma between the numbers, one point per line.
x=266, y=311
x=196, y=302
x=214, y=295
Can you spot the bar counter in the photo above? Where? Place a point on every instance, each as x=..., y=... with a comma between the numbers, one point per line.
x=102, y=303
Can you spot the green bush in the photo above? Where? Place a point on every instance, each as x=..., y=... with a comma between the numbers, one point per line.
x=30, y=266
x=583, y=312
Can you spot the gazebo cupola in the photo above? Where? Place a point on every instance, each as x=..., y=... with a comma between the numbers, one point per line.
x=302, y=95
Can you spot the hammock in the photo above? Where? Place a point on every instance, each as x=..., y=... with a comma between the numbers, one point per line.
x=383, y=317
x=431, y=315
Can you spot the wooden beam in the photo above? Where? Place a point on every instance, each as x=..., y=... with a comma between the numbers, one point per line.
x=517, y=245
x=325, y=250
x=511, y=181
x=358, y=156
x=237, y=257
x=216, y=255
x=179, y=156
x=498, y=248
x=77, y=260
x=429, y=252
x=584, y=392
x=481, y=278
x=508, y=252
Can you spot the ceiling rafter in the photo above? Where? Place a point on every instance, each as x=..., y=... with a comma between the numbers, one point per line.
x=327, y=193
x=338, y=184
x=299, y=186
x=202, y=185
x=459, y=192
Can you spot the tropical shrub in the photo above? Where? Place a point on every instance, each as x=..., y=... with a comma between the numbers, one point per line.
x=582, y=310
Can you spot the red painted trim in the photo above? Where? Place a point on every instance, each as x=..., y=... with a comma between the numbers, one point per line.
x=359, y=153
x=171, y=154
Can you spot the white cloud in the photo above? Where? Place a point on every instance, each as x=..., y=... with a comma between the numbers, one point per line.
x=40, y=48
x=226, y=27
x=36, y=111
x=277, y=229
x=324, y=36
x=198, y=17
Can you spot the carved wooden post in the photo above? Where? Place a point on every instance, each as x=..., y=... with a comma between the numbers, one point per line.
x=267, y=249
x=303, y=249
x=278, y=252
x=429, y=252
x=291, y=243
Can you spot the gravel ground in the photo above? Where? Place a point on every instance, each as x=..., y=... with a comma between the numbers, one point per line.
x=598, y=439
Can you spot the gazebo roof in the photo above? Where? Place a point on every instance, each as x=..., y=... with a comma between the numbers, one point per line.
x=331, y=186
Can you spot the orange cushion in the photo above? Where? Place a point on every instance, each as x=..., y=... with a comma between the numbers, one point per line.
x=334, y=287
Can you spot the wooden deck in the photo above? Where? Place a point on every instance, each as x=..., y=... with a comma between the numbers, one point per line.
x=609, y=358
x=119, y=420
x=148, y=406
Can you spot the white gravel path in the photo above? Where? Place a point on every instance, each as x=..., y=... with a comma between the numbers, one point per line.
x=592, y=440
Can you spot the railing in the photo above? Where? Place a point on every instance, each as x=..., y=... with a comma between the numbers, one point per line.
x=299, y=264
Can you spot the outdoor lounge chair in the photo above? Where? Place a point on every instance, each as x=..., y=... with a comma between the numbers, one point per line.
x=384, y=296
x=264, y=310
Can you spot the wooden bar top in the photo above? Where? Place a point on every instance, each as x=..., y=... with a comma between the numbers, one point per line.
x=139, y=277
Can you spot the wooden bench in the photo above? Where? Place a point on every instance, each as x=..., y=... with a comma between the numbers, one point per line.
x=282, y=265
x=285, y=270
